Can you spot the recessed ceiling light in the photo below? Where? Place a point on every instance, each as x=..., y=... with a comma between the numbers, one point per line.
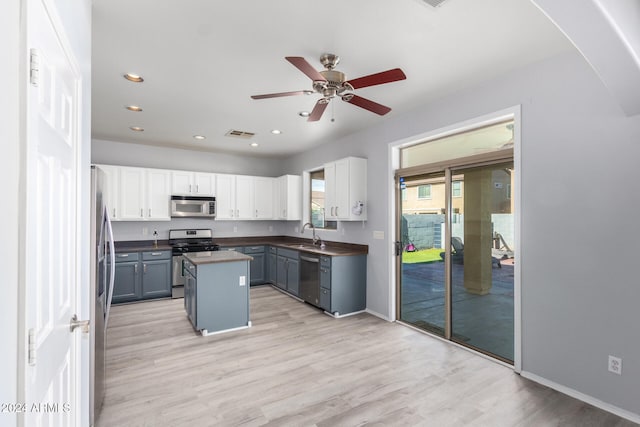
x=276, y=131
x=304, y=114
x=254, y=144
x=199, y=137
x=133, y=78
x=136, y=129
x=133, y=108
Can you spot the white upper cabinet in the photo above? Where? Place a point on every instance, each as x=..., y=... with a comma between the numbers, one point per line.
x=263, y=197
x=225, y=196
x=346, y=189
x=241, y=197
x=244, y=197
x=131, y=194
x=193, y=183
x=137, y=194
x=205, y=184
x=157, y=194
x=287, y=198
x=110, y=190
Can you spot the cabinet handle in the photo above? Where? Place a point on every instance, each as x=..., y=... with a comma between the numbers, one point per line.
x=231, y=212
x=256, y=213
x=237, y=213
x=144, y=268
x=156, y=253
x=336, y=211
x=141, y=212
x=331, y=210
x=284, y=213
x=189, y=188
x=114, y=212
x=149, y=211
x=197, y=188
x=135, y=268
x=123, y=255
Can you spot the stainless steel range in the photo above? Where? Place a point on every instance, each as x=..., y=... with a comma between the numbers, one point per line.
x=183, y=241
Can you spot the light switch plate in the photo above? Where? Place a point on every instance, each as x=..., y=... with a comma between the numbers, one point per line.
x=378, y=235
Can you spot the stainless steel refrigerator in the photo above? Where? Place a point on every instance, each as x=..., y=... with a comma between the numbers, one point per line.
x=102, y=276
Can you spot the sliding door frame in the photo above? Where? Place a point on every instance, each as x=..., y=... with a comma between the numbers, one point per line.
x=511, y=113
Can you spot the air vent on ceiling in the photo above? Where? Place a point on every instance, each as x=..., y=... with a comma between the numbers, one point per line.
x=434, y=3
x=239, y=134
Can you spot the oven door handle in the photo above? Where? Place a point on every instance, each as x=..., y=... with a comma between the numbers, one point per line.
x=304, y=258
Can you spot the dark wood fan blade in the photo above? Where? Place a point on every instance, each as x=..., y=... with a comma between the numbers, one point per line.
x=277, y=95
x=301, y=64
x=367, y=104
x=317, y=110
x=378, y=78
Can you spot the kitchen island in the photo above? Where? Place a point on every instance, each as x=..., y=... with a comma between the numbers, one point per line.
x=216, y=293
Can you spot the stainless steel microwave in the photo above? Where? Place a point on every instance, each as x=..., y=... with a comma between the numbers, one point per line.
x=193, y=207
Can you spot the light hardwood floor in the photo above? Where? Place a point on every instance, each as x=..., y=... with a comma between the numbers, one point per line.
x=299, y=367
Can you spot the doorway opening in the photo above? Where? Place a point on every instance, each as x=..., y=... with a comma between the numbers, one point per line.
x=455, y=225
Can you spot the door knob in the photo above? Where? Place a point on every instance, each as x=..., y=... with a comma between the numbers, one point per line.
x=75, y=323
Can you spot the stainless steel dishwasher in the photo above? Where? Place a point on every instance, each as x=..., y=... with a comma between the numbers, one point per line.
x=310, y=279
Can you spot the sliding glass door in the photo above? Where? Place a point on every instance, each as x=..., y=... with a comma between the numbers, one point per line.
x=482, y=279
x=455, y=245
x=422, y=227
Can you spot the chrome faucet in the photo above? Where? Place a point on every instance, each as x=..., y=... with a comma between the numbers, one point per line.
x=313, y=228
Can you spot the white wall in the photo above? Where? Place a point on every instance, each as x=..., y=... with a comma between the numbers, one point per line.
x=9, y=219
x=132, y=230
x=128, y=154
x=579, y=234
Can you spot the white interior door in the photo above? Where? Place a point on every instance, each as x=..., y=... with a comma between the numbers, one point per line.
x=51, y=236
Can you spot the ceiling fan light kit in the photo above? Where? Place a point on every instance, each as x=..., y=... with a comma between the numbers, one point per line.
x=331, y=83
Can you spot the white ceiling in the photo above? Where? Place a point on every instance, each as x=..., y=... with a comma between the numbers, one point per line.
x=202, y=60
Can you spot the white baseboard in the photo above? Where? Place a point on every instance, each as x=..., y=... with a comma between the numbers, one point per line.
x=206, y=333
x=339, y=316
x=584, y=397
x=376, y=314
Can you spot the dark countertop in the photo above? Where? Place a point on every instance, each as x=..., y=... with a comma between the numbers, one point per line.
x=200, y=258
x=331, y=249
x=294, y=243
x=142, y=245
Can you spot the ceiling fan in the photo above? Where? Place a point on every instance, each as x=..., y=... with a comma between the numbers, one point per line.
x=331, y=83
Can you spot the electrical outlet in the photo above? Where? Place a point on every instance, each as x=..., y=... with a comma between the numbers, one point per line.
x=615, y=365
x=271, y=228
x=145, y=231
x=243, y=280
x=235, y=229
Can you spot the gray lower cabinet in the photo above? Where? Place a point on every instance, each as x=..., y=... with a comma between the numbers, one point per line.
x=142, y=275
x=126, y=286
x=343, y=284
x=258, y=265
x=288, y=271
x=190, y=289
x=272, y=265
